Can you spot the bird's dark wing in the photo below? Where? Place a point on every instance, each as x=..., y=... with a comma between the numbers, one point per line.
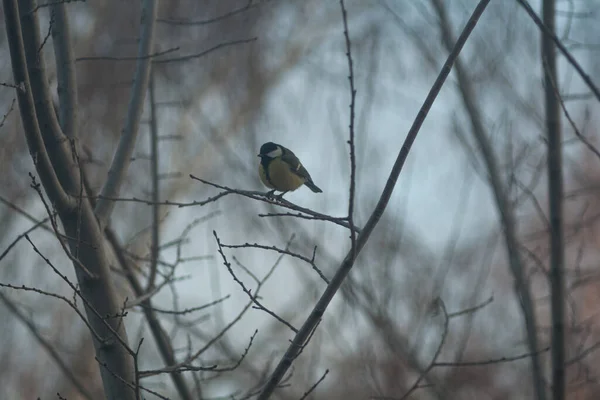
x=290, y=158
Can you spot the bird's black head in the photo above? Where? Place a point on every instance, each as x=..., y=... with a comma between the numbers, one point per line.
x=270, y=150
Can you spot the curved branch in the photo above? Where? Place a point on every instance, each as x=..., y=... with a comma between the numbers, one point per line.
x=56, y=143
x=35, y=142
x=313, y=320
x=121, y=160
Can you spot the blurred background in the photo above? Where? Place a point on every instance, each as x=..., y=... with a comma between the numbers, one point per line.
x=281, y=74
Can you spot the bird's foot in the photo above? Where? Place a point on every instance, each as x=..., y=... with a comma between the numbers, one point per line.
x=279, y=197
x=272, y=196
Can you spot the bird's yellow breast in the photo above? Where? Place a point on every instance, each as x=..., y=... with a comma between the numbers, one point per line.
x=280, y=177
x=263, y=176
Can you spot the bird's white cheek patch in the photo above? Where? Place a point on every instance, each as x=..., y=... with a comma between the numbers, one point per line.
x=275, y=153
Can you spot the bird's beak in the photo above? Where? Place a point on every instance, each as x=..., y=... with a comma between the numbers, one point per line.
x=258, y=155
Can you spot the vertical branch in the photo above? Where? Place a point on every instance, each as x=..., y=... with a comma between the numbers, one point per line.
x=27, y=108
x=163, y=342
x=56, y=143
x=122, y=157
x=65, y=70
x=555, y=198
x=154, y=250
x=304, y=333
x=351, y=127
x=160, y=337
x=59, y=171
x=503, y=204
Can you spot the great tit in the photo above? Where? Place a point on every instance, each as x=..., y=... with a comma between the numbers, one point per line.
x=279, y=169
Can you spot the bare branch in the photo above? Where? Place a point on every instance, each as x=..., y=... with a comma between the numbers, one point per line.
x=313, y=387
x=126, y=58
x=549, y=32
x=162, y=341
x=253, y=297
x=70, y=303
x=503, y=205
x=65, y=70
x=205, y=52
x=191, y=309
x=120, y=162
x=213, y=368
x=154, y=246
x=10, y=109
x=187, y=362
x=185, y=22
x=27, y=108
x=555, y=196
x=351, y=196
x=319, y=309
x=22, y=235
x=491, y=361
x=437, y=303
x=310, y=261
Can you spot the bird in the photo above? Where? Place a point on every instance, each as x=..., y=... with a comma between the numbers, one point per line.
x=280, y=170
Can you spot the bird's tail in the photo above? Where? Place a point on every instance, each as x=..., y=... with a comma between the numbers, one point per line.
x=313, y=187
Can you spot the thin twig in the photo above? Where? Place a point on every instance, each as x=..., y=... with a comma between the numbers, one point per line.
x=351, y=197
x=233, y=322
x=576, y=130
x=313, y=387
x=126, y=58
x=154, y=246
x=70, y=303
x=253, y=297
x=22, y=235
x=188, y=310
x=490, y=361
x=10, y=109
x=214, y=368
x=88, y=305
x=163, y=343
x=205, y=52
x=471, y=310
x=310, y=261
x=229, y=14
x=550, y=33
x=438, y=303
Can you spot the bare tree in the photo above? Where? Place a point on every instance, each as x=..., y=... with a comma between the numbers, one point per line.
x=142, y=122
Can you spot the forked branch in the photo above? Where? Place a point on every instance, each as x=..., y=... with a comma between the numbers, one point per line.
x=301, y=338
